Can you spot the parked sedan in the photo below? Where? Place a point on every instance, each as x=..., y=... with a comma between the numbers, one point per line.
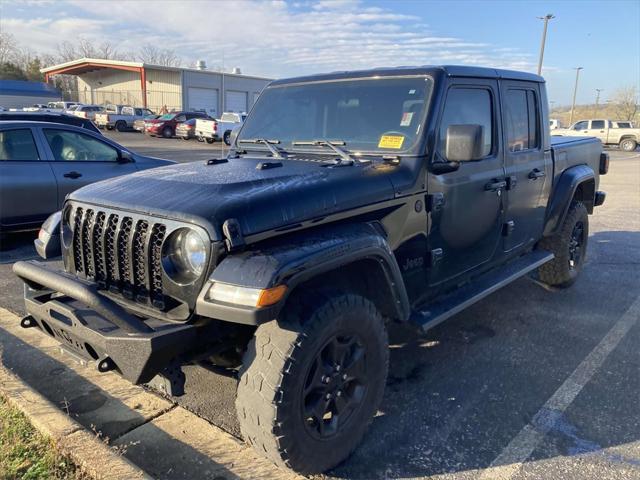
x=40, y=163
x=138, y=125
x=166, y=124
x=186, y=130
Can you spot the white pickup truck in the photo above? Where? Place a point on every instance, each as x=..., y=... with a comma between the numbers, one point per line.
x=120, y=117
x=212, y=130
x=607, y=131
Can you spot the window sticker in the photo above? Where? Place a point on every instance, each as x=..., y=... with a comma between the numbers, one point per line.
x=406, y=119
x=391, y=141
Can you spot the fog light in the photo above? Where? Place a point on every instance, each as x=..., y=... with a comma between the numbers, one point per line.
x=250, y=297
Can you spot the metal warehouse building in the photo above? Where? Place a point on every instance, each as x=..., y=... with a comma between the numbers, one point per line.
x=20, y=93
x=154, y=86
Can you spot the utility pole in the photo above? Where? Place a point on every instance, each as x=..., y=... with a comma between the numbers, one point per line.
x=546, y=19
x=575, y=90
x=598, y=90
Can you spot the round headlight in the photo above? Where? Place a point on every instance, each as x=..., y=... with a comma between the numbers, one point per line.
x=184, y=255
x=193, y=251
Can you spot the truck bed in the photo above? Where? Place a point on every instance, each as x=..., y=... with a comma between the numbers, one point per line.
x=571, y=151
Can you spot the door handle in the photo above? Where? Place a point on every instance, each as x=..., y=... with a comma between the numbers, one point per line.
x=535, y=173
x=73, y=175
x=494, y=186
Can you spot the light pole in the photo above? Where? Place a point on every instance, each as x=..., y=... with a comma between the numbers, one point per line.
x=546, y=19
x=598, y=90
x=575, y=90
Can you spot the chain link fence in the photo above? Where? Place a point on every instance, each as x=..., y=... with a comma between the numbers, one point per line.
x=156, y=99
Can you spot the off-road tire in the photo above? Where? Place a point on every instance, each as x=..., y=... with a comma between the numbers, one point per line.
x=628, y=145
x=559, y=272
x=210, y=140
x=167, y=132
x=227, y=137
x=277, y=365
x=121, y=126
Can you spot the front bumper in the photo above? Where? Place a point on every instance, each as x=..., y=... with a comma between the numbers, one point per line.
x=96, y=328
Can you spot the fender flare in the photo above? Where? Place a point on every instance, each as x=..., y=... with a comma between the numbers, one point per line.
x=563, y=192
x=298, y=258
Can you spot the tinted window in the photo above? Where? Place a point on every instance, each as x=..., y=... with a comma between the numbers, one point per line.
x=72, y=146
x=581, y=125
x=597, y=124
x=181, y=118
x=18, y=145
x=522, y=120
x=468, y=106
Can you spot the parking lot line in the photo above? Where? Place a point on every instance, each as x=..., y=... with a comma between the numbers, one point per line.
x=507, y=464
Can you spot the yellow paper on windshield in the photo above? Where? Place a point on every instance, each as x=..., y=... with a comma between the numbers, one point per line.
x=391, y=141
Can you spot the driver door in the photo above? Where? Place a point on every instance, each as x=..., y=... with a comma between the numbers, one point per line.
x=78, y=159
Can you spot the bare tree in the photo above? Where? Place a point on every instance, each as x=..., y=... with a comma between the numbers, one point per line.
x=85, y=48
x=8, y=47
x=625, y=100
x=158, y=56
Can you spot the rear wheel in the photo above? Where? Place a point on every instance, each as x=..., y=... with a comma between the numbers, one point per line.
x=109, y=127
x=185, y=138
x=210, y=140
x=569, y=246
x=121, y=126
x=628, y=144
x=227, y=137
x=311, y=383
x=167, y=132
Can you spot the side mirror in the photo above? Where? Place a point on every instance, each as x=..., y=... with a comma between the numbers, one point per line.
x=234, y=134
x=125, y=157
x=464, y=143
x=48, y=242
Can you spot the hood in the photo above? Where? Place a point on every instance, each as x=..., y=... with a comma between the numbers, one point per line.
x=259, y=199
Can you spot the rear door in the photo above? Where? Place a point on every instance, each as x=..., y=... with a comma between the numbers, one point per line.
x=80, y=159
x=527, y=165
x=28, y=191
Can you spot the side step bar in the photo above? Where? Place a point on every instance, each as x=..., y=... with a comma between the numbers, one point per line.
x=437, y=312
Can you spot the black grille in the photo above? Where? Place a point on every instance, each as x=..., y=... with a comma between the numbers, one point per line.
x=119, y=253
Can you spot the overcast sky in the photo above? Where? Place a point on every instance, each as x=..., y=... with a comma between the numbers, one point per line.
x=289, y=38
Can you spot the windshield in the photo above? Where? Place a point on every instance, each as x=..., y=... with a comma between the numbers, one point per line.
x=168, y=116
x=369, y=115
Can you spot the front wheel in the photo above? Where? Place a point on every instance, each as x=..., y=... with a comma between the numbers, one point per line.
x=227, y=137
x=628, y=145
x=311, y=383
x=167, y=132
x=569, y=246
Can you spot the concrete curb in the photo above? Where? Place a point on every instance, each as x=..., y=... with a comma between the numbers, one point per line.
x=83, y=447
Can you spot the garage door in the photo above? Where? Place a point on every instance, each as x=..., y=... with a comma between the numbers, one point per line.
x=236, y=102
x=203, y=100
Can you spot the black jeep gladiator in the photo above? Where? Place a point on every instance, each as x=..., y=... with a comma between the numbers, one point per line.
x=348, y=201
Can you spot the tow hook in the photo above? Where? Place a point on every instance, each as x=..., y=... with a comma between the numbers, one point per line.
x=28, y=321
x=106, y=365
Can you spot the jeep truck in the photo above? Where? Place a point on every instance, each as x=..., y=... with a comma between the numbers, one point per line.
x=608, y=132
x=348, y=202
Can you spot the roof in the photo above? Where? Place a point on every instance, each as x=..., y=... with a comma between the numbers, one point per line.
x=448, y=70
x=85, y=65
x=25, y=88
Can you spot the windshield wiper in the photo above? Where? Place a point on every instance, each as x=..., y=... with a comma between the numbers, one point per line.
x=275, y=151
x=333, y=145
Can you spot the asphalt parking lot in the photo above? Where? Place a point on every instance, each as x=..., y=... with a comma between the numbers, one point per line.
x=528, y=383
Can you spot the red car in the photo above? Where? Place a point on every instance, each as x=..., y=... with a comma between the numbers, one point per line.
x=166, y=124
